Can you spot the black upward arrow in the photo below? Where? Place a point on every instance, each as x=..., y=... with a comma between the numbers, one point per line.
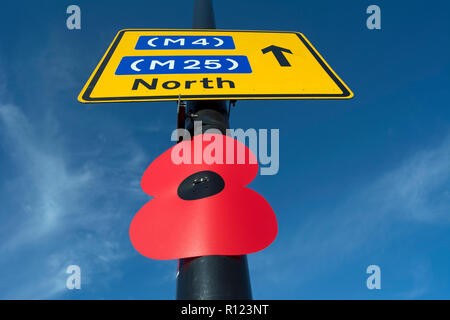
x=278, y=53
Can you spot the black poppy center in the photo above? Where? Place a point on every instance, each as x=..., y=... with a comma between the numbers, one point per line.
x=200, y=185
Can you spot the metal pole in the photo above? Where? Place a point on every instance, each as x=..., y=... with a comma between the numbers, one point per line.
x=211, y=277
x=203, y=15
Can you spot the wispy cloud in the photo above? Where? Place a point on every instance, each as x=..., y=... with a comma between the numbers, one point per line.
x=417, y=191
x=56, y=213
x=70, y=181
x=421, y=276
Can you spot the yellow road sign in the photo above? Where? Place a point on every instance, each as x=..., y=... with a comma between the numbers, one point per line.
x=157, y=65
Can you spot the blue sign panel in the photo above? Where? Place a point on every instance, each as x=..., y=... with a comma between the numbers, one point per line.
x=184, y=42
x=183, y=65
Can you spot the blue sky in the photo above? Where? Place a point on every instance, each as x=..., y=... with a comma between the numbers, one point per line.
x=362, y=181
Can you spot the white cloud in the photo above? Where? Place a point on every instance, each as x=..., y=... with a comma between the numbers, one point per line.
x=421, y=276
x=417, y=191
x=59, y=213
x=420, y=188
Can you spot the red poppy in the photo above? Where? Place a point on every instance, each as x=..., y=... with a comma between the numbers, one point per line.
x=201, y=206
